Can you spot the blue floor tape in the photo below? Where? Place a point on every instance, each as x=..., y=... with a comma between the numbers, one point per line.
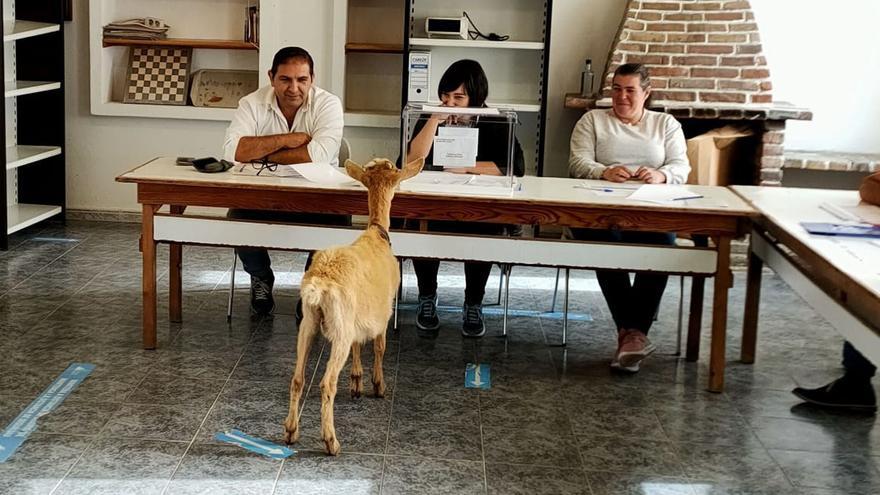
x=25, y=423
x=477, y=376
x=254, y=444
x=499, y=311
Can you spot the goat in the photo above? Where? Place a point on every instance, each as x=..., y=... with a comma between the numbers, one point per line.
x=348, y=293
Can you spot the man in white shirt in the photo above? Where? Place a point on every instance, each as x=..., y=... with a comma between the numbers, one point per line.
x=289, y=121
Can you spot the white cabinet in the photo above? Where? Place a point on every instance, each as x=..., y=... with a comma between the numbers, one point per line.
x=33, y=113
x=214, y=29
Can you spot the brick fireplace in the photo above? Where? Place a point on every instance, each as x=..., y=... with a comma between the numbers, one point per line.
x=707, y=69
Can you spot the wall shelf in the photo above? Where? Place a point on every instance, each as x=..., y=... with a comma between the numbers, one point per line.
x=21, y=155
x=458, y=43
x=116, y=109
x=192, y=43
x=21, y=88
x=22, y=215
x=17, y=30
x=373, y=48
x=388, y=120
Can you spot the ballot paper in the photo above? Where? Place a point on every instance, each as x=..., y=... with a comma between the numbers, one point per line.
x=460, y=110
x=449, y=183
x=456, y=147
x=663, y=193
x=320, y=173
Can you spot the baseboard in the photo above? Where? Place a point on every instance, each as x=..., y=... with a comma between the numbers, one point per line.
x=103, y=216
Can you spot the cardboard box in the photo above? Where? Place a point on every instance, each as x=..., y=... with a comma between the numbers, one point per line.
x=715, y=154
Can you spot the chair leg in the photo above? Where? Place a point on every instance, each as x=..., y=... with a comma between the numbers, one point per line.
x=231, y=288
x=555, y=291
x=399, y=294
x=506, y=273
x=565, y=310
x=680, y=314
x=500, y=283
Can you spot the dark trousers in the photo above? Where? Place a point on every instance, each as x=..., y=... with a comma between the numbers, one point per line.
x=256, y=261
x=632, y=305
x=476, y=273
x=857, y=366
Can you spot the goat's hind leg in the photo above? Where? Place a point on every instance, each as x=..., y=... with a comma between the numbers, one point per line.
x=357, y=371
x=378, y=374
x=338, y=356
x=307, y=330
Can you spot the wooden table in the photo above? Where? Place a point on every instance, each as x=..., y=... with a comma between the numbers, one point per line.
x=838, y=276
x=720, y=214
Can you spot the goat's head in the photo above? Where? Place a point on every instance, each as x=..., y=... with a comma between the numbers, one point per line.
x=380, y=174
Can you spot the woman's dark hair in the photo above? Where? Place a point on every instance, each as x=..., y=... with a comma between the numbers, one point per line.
x=289, y=53
x=635, y=70
x=470, y=74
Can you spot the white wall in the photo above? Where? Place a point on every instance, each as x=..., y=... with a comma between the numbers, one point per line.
x=825, y=56
x=807, y=45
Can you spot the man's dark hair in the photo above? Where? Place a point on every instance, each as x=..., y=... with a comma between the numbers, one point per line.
x=289, y=53
x=471, y=75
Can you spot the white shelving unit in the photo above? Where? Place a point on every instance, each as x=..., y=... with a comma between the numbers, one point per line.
x=456, y=43
x=215, y=39
x=34, y=122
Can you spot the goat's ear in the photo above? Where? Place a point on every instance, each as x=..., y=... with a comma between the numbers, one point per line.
x=354, y=170
x=412, y=169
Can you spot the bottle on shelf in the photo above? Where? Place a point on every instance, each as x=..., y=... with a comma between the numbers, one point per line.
x=587, y=79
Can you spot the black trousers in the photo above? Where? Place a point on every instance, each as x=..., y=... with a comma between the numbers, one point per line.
x=256, y=261
x=857, y=365
x=476, y=273
x=632, y=305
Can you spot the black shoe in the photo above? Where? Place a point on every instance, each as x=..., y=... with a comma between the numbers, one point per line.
x=262, y=302
x=843, y=393
x=427, y=320
x=299, y=311
x=472, y=321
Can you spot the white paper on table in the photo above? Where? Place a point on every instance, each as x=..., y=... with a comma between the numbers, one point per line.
x=446, y=182
x=320, y=173
x=455, y=151
x=253, y=169
x=663, y=193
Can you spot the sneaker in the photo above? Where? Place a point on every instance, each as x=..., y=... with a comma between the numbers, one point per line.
x=472, y=321
x=842, y=393
x=262, y=302
x=427, y=319
x=632, y=347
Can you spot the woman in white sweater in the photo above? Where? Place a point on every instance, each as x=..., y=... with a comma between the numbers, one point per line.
x=629, y=142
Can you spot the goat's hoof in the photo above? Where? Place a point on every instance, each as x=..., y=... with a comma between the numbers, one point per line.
x=379, y=390
x=291, y=435
x=357, y=386
x=332, y=446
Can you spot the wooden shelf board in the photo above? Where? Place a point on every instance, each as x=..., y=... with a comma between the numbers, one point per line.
x=20, y=88
x=21, y=155
x=116, y=109
x=457, y=43
x=16, y=30
x=22, y=215
x=365, y=118
x=374, y=48
x=193, y=43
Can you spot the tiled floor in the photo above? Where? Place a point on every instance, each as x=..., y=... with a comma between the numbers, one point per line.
x=555, y=420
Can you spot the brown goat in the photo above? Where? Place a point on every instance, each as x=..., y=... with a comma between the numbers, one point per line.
x=348, y=294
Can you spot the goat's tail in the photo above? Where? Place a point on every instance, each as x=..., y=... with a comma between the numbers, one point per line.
x=329, y=301
x=312, y=292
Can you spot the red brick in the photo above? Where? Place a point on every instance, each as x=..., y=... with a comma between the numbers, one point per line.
x=676, y=27
x=649, y=16
x=675, y=95
x=702, y=6
x=632, y=47
x=723, y=97
x=659, y=83
x=772, y=150
x=668, y=71
x=725, y=16
x=774, y=137
x=750, y=16
x=634, y=25
x=647, y=59
x=748, y=49
x=738, y=61
x=755, y=73
x=738, y=85
x=728, y=38
x=745, y=26
x=766, y=85
x=716, y=49
x=683, y=17
x=737, y=5
x=707, y=72
x=661, y=5
x=686, y=38
x=705, y=28
x=762, y=98
x=692, y=83
x=762, y=60
x=617, y=57
x=695, y=60
x=666, y=48
x=771, y=162
x=647, y=37
x=755, y=37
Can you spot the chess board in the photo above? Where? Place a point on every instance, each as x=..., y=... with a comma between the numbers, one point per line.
x=158, y=75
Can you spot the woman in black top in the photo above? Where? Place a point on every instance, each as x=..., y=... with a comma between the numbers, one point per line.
x=464, y=84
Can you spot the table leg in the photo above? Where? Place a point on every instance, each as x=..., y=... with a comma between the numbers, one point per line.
x=695, y=320
x=148, y=248
x=723, y=281
x=175, y=262
x=753, y=301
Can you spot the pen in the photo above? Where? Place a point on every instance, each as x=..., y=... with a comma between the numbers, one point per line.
x=686, y=197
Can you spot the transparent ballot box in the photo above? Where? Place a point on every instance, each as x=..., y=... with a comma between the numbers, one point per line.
x=466, y=150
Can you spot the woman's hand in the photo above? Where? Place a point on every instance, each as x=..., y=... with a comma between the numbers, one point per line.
x=650, y=175
x=617, y=173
